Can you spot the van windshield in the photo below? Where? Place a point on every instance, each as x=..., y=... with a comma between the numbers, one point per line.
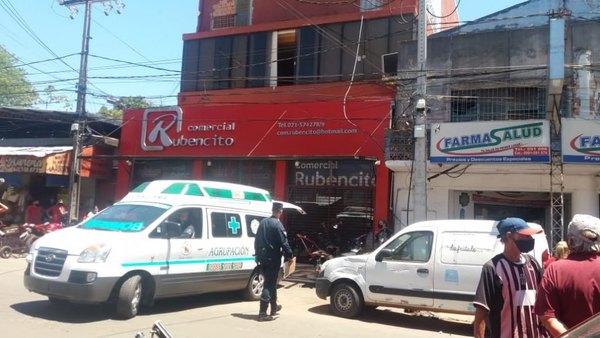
x=124, y=217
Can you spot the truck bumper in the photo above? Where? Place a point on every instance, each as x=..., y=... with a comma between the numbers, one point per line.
x=322, y=286
x=95, y=292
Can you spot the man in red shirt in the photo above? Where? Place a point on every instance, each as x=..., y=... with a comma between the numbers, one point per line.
x=570, y=289
x=33, y=213
x=57, y=212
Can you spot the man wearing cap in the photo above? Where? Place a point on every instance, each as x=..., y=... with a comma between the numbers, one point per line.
x=270, y=244
x=570, y=290
x=507, y=288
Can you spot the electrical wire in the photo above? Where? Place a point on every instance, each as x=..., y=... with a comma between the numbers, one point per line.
x=353, y=73
x=447, y=15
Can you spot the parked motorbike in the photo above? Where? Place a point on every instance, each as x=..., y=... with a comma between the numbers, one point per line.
x=18, y=240
x=158, y=330
x=13, y=240
x=355, y=246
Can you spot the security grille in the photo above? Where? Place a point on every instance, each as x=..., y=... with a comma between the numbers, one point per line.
x=511, y=103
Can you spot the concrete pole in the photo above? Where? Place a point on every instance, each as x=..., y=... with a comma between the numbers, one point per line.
x=420, y=133
x=78, y=128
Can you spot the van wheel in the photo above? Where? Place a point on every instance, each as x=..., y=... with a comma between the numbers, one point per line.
x=5, y=251
x=345, y=301
x=255, y=286
x=130, y=296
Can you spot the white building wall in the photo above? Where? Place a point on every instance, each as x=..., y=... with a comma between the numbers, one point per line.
x=581, y=182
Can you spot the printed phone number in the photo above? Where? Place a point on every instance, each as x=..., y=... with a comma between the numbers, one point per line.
x=308, y=124
x=224, y=266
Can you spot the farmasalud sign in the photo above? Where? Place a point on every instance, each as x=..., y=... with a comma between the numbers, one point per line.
x=523, y=141
x=580, y=141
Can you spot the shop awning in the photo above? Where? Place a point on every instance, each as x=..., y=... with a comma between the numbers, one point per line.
x=33, y=151
x=54, y=160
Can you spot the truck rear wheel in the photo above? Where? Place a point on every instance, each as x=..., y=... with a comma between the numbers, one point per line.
x=345, y=301
x=255, y=285
x=130, y=297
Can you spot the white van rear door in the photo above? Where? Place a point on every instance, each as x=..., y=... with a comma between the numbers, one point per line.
x=287, y=205
x=406, y=278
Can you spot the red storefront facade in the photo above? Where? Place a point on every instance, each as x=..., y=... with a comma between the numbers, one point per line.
x=311, y=152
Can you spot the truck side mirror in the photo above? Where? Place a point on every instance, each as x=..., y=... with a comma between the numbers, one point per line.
x=383, y=253
x=170, y=229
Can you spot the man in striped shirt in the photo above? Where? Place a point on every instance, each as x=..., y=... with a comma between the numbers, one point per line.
x=507, y=288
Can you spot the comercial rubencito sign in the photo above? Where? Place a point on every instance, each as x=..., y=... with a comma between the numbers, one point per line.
x=580, y=141
x=526, y=141
x=258, y=130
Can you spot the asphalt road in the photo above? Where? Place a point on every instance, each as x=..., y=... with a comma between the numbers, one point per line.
x=25, y=314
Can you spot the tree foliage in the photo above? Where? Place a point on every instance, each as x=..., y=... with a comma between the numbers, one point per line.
x=50, y=97
x=121, y=104
x=15, y=90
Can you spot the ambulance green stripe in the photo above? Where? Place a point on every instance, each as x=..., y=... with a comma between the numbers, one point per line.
x=188, y=261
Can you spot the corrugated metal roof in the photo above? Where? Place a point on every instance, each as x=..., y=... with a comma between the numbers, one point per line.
x=533, y=13
x=32, y=151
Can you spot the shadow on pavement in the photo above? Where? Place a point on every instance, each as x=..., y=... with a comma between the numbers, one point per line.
x=419, y=320
x=80, y=313
x=246, y=316
x=68, y=313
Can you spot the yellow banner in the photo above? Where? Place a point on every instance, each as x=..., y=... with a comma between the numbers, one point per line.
x=58, y=164
x=55, y=164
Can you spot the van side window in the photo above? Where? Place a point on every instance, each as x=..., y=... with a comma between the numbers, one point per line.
x=189, y=221
x=252, y=223
x=413, y=246
x=226, y=225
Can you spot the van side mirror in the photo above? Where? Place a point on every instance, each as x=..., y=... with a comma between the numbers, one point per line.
x=170, y=229
x=383, y=253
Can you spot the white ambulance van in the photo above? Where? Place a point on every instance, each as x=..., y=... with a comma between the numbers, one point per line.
x=164, y=239
x=431, y=265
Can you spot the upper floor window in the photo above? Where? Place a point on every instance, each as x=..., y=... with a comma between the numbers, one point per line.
x=228, y=14
x=369, y=5
x=512, y=103
x=302, y=55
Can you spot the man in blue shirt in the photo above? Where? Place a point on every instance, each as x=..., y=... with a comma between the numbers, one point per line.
x=270, y=244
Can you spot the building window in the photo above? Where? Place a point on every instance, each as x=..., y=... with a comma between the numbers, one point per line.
x=286, y=57
x=369, y=5
x=516, y=103
x=289, y=57
x=223, y=21
x=232, y=14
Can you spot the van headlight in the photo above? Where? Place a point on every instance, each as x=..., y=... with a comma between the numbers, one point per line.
x=96, y=253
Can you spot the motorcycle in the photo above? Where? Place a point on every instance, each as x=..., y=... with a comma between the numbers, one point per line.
x=17, y=239
x=158, y=330
x=32, y=232
x=355, y=246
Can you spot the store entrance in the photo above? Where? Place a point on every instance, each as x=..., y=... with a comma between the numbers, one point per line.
x=498, y=212
x=334, y=217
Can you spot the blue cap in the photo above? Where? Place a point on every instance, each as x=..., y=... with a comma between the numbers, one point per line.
x=514, y=224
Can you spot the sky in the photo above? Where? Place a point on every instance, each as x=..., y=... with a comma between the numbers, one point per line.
x=134, y=53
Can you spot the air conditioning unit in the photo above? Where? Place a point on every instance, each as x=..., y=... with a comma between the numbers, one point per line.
x=389, y=66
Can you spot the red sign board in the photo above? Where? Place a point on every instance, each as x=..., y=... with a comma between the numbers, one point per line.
x=258, y=130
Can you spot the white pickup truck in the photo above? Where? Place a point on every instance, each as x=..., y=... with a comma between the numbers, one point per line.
x=431, y=265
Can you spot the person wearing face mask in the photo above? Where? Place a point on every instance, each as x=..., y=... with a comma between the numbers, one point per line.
x=570, y=290
x=507, y=288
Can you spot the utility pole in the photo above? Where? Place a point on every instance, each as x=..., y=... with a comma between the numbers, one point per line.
x=79, y=126
x=420, y=133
